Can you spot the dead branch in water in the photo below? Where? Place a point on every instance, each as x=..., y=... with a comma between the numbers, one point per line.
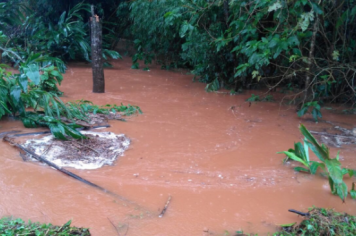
x=51, y=164
x=165, y=207
x=299, y=213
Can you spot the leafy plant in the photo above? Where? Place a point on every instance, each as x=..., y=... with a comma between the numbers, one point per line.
x=268, y=98
x=331, y=166
x=141, y=55
x=316, y=113
x=300, y=154
x=254, y=98
x=213, y=86
x=32, y=95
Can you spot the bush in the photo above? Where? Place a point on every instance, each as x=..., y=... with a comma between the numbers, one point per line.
x=310, y=44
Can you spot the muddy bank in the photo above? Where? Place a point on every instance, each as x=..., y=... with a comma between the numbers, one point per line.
x=213, y=153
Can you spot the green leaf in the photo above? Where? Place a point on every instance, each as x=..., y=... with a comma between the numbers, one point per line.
x=321, y=152
x=293, y=40
x=32, y=72
x=28, y=123
x=67, y=224
x=62, y=18
x=23, y=82
x=299, y=169
x=302, y=111
x=315, y=165
x=287, y=225
x=353, y=192
x=113, y=54
x=341, y=191
x=213, y=86
x=57, y=130
x=275, y=6
x=351, y=172
x=292, y=156
x=16, y=93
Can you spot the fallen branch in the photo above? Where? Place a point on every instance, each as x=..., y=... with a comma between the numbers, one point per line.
x=165, y=207
x=8, y=132
x=51, y=164
x=299, y=213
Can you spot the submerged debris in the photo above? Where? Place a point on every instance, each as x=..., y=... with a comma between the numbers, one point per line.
x=339, y=136
x=100, y=148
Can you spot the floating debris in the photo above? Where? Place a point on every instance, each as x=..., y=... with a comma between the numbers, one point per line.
x=99, y=149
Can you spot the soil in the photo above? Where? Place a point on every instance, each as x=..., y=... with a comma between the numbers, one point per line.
x=215, y=154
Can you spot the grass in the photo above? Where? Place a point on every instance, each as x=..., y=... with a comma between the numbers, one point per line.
x=10, y=227
x=320, y=222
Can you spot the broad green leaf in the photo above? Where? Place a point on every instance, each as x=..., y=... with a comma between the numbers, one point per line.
x=57, y=130
x=351, y=172
x=341, y=191
x=302, y=111
x=314, y=145
x=292, y=156
x=353, y=191
x=15, y=93
x=353, y=194
x=300, y=152
x=23, y=82
x=58, y=75
x=315, y=165
x=32, y=72
x=28, y=123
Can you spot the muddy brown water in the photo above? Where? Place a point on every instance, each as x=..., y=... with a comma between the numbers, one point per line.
x=213, y=153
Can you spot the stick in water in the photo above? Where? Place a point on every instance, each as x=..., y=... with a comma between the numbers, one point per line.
x=51, y=164
x=165, y=207
x=299, y=213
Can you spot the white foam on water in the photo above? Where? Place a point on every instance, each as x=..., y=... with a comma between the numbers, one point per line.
x=93, y=161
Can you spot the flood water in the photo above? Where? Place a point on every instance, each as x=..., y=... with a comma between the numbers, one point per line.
x=215, y=154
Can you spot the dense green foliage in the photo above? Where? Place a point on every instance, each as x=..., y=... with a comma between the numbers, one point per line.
x=11, y=227
x=248, y=44
x=331, y=166
x=65, y=37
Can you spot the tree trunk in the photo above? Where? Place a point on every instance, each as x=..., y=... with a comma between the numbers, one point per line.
x=310, y=63
x=96, y=54
x=226, y=12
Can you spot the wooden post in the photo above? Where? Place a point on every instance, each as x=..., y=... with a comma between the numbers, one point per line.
x=96, y=53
